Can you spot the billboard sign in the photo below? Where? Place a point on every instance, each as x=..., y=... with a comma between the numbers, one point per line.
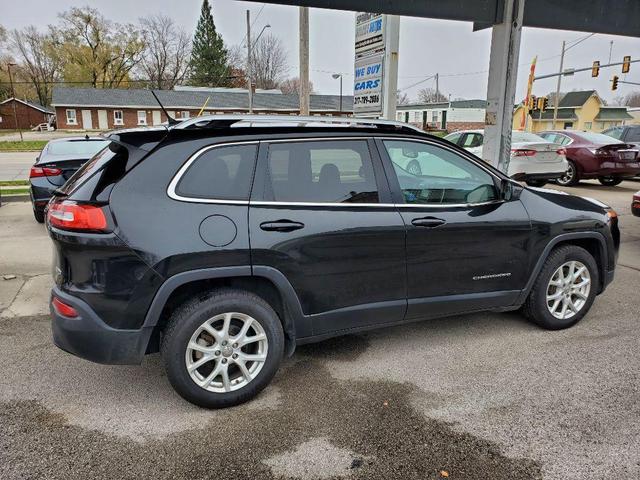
x=367, y=87
x=369, y=32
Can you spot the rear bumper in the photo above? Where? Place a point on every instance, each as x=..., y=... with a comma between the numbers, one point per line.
x=614, y=169
x=88, y=337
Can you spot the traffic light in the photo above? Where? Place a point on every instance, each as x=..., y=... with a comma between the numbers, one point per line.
x=532, y=102
x=542, y=103
x=595, y=69
x=626, y=63
x=614, y=83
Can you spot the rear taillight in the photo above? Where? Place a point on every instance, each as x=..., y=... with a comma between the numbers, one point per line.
x=69, y=215
x=522, y=152
x=63, y=309
x=562, y=151
x=44, y=172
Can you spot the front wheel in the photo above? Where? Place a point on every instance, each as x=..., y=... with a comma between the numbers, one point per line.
x=224, y=349
x=570, y=177
x=610, y=181
x=564, y=290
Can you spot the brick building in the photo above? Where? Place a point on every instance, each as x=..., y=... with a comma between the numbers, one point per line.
x=29, y=114
x=105, y=109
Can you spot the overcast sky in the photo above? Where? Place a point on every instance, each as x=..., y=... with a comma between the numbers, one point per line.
x=452, y=49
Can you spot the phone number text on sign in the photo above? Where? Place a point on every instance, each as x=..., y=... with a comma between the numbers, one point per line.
x=367, y=87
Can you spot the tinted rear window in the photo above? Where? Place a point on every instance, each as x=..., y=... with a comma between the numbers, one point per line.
x=223, y=173
x=114, y=152
x=86, y=148
x=526, y=137
x=597, y=138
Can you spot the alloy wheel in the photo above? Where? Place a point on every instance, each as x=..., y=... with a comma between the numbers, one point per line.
x=568, y=176
x=226, y=352
x=568, y=289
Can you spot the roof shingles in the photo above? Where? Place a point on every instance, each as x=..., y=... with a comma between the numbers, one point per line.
x=172, y=99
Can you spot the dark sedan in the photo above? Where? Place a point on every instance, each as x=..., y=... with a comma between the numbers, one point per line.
x=59, y=160
x=594, y=155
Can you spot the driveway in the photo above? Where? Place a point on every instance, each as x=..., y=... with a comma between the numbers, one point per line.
x=470, y=397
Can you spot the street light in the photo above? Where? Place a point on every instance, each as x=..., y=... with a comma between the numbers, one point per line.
x=249, y=58
x=13, y=94
x=335, y=77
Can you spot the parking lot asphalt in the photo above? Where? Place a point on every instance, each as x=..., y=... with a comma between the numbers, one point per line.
x=476, y=396
x=16, y=165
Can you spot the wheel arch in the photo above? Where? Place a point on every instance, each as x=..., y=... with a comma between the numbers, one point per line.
x=269, y=283
x=593, y=242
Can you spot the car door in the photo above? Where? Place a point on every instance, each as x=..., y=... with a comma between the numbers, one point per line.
x=466, y=246
x=320, y=213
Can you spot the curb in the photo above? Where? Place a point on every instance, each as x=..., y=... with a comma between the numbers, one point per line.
x=15, y=198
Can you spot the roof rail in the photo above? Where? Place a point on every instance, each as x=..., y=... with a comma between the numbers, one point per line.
x=240, y=120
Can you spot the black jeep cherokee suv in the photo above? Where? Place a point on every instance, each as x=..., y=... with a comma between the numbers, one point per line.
x=223, y=242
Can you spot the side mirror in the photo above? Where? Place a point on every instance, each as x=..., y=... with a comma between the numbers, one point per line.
x=509, y=190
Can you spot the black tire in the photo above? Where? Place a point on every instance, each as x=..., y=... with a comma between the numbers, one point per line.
x=535, y=307
x=571, y=178
x=610, y=181
x=414, y=168
x=536, y=183
x=38, y=215
x=184, y=322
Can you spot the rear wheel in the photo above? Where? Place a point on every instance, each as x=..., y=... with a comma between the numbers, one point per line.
x=570, y=177
x=610, y=181
x=536, y=183
x=38, y=215
x=222, y=350
x=564, y=290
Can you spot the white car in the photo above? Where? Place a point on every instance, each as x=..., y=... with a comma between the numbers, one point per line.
x=533, y=159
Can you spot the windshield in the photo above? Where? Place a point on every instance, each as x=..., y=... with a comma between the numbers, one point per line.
x=517, y=136
x=86, y=148
x=597, y=138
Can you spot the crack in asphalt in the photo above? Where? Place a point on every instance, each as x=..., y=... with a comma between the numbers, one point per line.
x=375, y=420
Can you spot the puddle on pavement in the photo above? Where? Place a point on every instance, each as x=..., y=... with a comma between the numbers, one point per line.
x=374, y=420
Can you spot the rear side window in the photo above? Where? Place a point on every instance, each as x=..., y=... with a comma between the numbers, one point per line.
x=222, y=173
x=334, y=171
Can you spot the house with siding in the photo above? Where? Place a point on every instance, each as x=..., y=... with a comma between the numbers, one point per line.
x=582, y=110
x=450, y=116
x=106, y=109
x=28, y=114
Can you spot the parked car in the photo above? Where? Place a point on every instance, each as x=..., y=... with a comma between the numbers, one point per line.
x=533, y=158
x=57, y=162
x=625, y=133
x=635, y=204
x=594, y=155
x=225, y=241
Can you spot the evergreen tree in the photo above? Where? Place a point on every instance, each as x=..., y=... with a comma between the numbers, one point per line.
x=208, y=66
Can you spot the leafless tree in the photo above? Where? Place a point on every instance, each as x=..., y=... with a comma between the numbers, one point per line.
x=39, y=61
x=429, y=95
x=291, y=86
x=402, y=98
x=631, y=99
x=165, y=59
x=268, y=62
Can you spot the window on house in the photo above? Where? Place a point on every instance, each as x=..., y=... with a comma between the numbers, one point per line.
x=142, y=117
x=434, y=117
x=587, y=125
x=600, y=125
x=71, y=117
x=118, y=118
x=185, y=114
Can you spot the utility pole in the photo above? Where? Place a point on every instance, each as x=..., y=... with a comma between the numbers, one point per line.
x=249, y=86
x=437, y=88
x=335, y=76
x=557, y=98
x=304, y=60
x=13, y=94
x=610, y=49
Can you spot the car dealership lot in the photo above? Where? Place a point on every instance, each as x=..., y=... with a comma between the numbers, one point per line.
x=478, y=396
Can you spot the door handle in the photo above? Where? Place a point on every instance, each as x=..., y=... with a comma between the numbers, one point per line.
x=428, y=222
x=281, y=226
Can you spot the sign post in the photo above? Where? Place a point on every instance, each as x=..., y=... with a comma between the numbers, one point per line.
x=376, y=65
